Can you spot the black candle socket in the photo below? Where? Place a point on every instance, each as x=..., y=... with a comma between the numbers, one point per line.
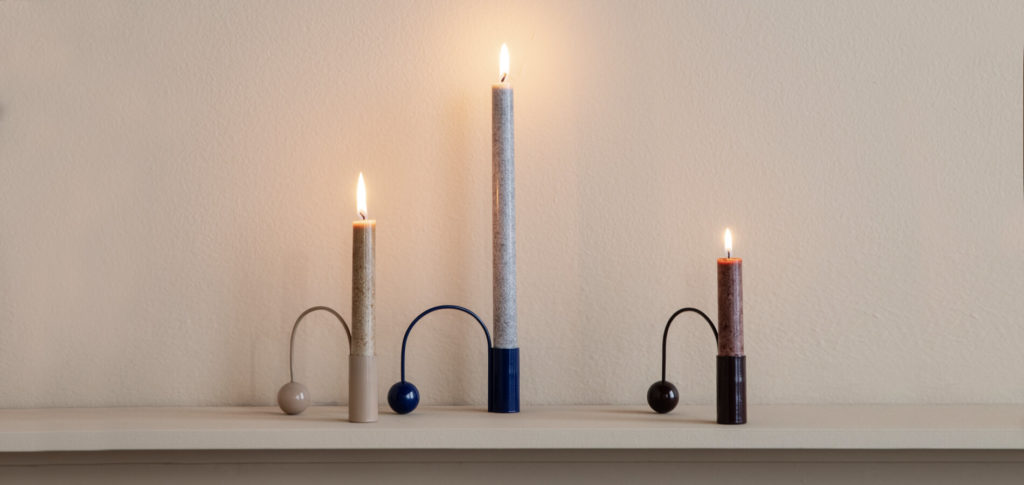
x=732, y=389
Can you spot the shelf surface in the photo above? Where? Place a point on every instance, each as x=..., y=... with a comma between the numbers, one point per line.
x=779, y=427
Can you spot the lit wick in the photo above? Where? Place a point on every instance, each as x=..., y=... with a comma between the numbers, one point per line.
x=503, y=63
x=728, y=243
x=361, y=197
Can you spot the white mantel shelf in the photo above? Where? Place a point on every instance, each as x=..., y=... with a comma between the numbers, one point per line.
x=778, y=427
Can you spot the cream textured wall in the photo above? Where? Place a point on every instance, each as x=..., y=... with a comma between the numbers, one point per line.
x=177, y=182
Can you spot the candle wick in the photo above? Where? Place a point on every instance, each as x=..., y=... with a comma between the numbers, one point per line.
x=503, y=76
x=728, y=254
x=362, y=215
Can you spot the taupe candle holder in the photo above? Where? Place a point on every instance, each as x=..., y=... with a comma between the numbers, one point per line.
x=293, y=397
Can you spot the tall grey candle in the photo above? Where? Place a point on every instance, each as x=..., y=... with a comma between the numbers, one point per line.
x=503, y=221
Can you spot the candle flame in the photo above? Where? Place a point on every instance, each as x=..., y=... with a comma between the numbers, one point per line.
x=503, y=64
x=728, y=242
x=361, y=197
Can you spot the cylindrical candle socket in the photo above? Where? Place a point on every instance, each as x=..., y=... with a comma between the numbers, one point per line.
x=362, y=385
x=362, y=382
x=503, y=221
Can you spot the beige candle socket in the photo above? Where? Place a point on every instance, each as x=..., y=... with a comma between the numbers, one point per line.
x=362, y=388
x=362, y=370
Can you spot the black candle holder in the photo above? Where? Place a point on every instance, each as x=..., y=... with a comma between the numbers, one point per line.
x=403, y=397
x=663, y=396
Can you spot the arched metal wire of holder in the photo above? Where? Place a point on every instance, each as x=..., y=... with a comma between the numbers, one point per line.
x=291, y=346
x=293, y=397
x=403, y=397
x=664, y=337
x=663, y=396
x=405, y=339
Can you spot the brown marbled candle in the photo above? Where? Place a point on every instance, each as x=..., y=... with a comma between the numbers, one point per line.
x=730, y=306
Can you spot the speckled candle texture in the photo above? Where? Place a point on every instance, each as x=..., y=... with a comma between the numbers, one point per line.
x=363, y=237
x=503, y=220
x=730, y=306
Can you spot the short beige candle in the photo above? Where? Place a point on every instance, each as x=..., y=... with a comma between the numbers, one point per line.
x=363, y=237
x=363, y=234
x=362, y=365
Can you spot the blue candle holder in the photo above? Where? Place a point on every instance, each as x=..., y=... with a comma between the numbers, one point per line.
x=403, y=397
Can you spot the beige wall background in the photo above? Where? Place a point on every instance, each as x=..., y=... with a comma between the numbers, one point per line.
x=177, y=183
